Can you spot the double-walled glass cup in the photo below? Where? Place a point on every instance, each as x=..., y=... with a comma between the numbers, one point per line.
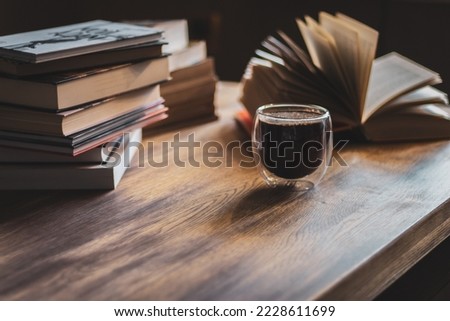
x=292, y=144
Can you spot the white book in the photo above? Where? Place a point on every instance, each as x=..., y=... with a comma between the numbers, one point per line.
x=175, y=32
x=61, y=176
x=194, y=53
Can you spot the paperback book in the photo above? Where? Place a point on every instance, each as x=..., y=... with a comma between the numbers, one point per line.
x=95, y=156
x=69, y=98
x=175, y=32
x=68, y=122
x=72, y=175
x=190, y=92
x=88, y=139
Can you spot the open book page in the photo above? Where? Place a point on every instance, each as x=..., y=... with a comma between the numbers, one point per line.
x=268, y=80
x=258, y=85
x=302, y=82
x=296, y=63
x=285, y=80
x=421, y=96
x=389, y=98
x=393, y=75
x=291, y=53
x=301, y=55
x=431, y=121
x=323, y=52
x=367, y=45
x=311, y=75
x=302, y=77
x=346, y=41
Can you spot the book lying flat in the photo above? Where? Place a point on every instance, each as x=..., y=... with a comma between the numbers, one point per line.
x=95, y=156
x=172, y=125
x=178, y=96
x=194, y=53
x=88, y=139
x=102, y=58
x=72, y=40
x=175, y=32
x=65, y=90
x=190, y=76
x=364, y=95
x=190, y=95
x=104, y=176
x=69, y=122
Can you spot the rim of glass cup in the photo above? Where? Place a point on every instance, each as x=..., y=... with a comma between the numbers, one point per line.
x=322, y=114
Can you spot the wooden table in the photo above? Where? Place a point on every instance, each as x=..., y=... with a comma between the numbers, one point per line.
x=199, y=233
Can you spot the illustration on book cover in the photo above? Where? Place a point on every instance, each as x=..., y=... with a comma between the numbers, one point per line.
x=73, y=36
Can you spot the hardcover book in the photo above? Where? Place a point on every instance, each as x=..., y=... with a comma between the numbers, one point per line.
x=69, y=89
x=175, y=32
x=390, y=98
x=73, y=176
x=88, y=139
x=190, y=94
x=72, y=40
x=193, y=54
x=69, y=122
x=89, y=60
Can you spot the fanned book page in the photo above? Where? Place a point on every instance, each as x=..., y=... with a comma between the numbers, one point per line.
x=338, y=70
x=393, y=75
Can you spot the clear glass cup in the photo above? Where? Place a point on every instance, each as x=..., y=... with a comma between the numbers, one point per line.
x=292, y=144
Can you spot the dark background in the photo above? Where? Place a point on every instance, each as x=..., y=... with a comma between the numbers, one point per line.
x=418, y=29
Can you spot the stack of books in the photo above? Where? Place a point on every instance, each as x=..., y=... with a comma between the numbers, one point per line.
x=190, y=93
x=73, y=99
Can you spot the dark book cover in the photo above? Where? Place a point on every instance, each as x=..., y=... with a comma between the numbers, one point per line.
x=115, y=56
x=71, y=40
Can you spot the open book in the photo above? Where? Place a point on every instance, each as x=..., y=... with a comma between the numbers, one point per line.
x=385, y=99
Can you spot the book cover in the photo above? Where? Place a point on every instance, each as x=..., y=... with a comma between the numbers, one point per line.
x=90, y=60
x=71, y=40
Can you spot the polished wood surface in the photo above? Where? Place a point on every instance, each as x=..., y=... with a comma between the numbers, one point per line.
x=199, y=233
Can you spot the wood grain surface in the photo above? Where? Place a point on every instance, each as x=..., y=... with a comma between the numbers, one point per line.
x=202, y=233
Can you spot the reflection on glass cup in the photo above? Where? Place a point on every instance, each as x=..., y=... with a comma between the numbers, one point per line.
x=293, y=144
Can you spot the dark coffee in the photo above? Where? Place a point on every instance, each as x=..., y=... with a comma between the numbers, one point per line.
x=292, y=150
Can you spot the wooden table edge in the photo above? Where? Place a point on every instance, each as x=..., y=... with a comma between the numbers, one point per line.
x=391, y=262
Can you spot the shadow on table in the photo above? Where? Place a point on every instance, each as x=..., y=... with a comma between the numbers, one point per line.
x=18, y=205
x=263, y=199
